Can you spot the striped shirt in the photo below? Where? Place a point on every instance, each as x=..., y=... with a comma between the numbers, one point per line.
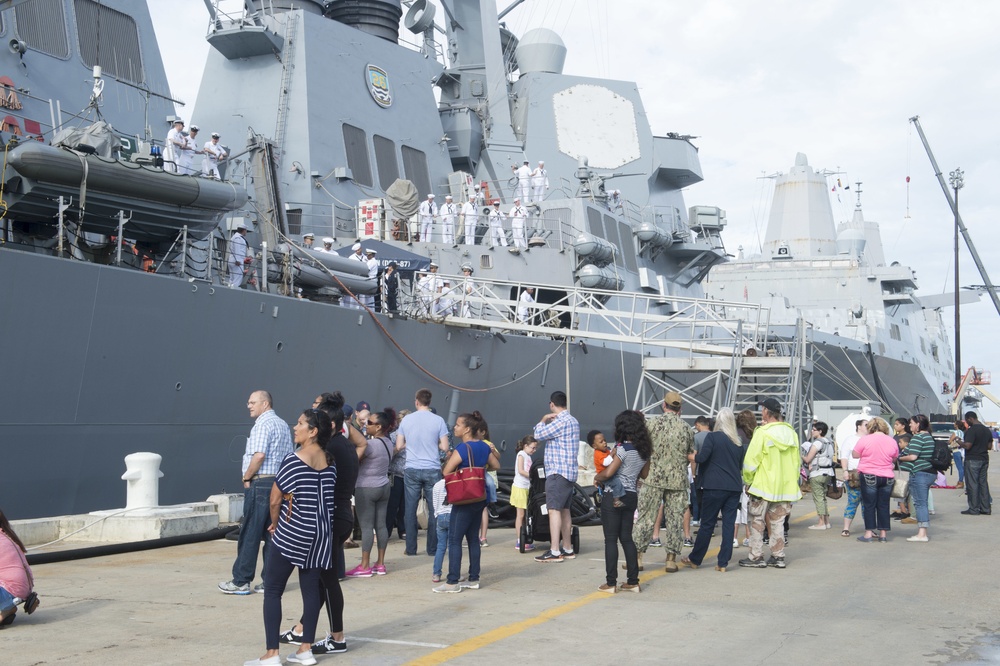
x=439, y=496
x=306, y=539
x=921, y=444
x=272, y=437
x=562, y=443
x=631, y=466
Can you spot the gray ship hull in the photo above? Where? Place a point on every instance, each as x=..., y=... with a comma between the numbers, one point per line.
x=114, y=361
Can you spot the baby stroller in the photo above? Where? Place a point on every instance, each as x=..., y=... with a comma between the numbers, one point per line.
x=536, y=518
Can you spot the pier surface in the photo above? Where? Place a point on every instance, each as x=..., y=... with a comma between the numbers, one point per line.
x=904, y=603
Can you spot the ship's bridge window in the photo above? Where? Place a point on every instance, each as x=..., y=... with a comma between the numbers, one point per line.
x=612, y=229
x=358, y=161
x=415, y=168
x=894, y=332
x=594, y=221
x=110, y=39
x=627, y=246
x=385, y=161
x=41, y=25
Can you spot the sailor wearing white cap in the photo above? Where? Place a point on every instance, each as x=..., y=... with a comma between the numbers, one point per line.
x=327, y=245
x=214, y=153
x=428, y=286
x=449, y=211
x=467, y=288
x=523, y=174
x=497, y=235
x=173, y=146
x=517, y=215
x=428, y=211
x=307, y=240
x=186, y=157
x=470, y=219
x=445, y=305
x=357, y=256
x=480, y=195
x=369, y=299
x=539, y=182
x=239, y=255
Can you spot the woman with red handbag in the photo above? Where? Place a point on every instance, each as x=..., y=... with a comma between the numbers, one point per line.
x=475, y=456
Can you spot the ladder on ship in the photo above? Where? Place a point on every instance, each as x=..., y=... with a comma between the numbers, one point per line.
x=287, y=65
x=739, y=380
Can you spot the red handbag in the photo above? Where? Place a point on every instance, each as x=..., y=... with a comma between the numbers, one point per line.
x=466, y=485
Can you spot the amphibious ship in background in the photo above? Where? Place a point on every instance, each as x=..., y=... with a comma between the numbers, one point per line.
x=120, y=335
x=874, y=339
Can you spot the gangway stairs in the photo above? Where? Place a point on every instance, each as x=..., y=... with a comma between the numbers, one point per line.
x=784, y=371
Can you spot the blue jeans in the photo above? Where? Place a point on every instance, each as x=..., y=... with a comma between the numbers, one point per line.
x=977, y=486
x=617, y=523
x=6, y=600
x=443, y=523
x=416, y=481
x=959, y=459
x=920, y=485
x=256, y=517
x=712, y=502
x=465, y=521
x=875, y=492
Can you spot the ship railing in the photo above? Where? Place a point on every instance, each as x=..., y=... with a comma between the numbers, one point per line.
x=693, y=325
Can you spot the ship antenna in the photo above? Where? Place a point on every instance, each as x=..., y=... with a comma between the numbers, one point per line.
x=857, y=191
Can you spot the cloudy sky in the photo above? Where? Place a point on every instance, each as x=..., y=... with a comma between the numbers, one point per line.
x=759, y=82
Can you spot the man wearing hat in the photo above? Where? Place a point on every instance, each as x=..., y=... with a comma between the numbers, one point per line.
x=239, y=255
x=214, y=153
x=517, y=215
x=372, y=262
x=470, y=219
x=391, y=282
x=428, y=211
x=174, y=146
x=539, y=181
x=307, y=240
x=523, y=174
x=466, y=290
x=497, y=235
x=667, y=481
x=190, y=150
x=449, y=211
x=428, y=286
x=771, y=473
x=327, y=245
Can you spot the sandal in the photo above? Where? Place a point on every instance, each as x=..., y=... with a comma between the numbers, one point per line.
x=31, y=603
x=845, y=533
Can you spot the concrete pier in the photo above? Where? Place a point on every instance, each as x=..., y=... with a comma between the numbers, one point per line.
x=839, y=601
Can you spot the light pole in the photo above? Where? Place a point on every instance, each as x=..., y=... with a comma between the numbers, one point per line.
x=956, y=180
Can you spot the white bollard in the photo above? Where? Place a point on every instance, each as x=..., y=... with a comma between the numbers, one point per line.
x=142, y=474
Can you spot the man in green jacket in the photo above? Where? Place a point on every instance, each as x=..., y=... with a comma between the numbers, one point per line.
x=771, y=473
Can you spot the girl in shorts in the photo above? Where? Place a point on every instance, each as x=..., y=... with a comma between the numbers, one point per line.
x=522, y=481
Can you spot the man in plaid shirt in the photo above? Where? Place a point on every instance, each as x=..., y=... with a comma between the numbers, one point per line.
x=561, y=434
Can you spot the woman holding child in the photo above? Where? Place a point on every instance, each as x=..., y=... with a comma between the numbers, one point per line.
x=629, y=462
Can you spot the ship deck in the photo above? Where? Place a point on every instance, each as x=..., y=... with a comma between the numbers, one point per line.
x=908, y=602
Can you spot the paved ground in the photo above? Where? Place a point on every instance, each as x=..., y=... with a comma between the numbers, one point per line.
x=838, y=601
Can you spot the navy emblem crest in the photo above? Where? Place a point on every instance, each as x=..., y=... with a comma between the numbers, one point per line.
x=378, y=86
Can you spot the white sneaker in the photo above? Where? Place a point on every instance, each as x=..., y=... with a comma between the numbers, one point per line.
x=736, y=543
x=304, y=658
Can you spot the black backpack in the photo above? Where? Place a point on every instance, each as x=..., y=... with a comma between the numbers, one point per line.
x=941, y=457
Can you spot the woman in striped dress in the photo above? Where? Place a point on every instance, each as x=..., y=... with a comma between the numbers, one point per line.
x=301, y=516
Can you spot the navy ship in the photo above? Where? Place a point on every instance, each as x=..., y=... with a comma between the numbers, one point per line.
x=338, y=119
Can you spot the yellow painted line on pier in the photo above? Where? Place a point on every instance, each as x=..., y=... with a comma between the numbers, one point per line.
x=463, y=648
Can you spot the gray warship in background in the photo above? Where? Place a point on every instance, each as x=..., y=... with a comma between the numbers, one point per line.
x=121, y=335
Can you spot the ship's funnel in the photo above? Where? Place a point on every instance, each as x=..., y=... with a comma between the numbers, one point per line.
x=541, y=50
x=277, y=6
x=376, y=17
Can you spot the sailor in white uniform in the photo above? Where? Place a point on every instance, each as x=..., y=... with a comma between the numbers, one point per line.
x=449, y=211
x=186, y=161
x=239, y=256
x=525, y=303
x=470, y=219
x=214, y=153
x=468, y=287
x=369, y=299
x=174, y=145
x=539, y=182
x=523, y=174
x=428, y=287
x=307, y=240
x=479, y=195
x=428, y=211
x=445, y=305
x=497, y=235
x=328, y=245
x=358, y=256
x=517, y=215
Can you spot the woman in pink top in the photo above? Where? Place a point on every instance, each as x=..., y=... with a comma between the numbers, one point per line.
x=15, y=575
x=876, y=453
